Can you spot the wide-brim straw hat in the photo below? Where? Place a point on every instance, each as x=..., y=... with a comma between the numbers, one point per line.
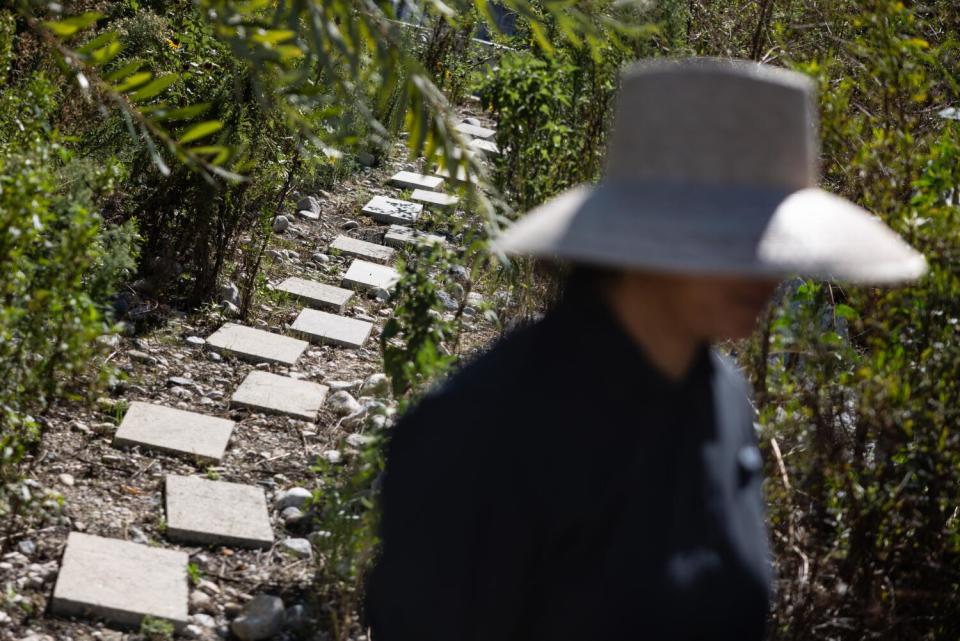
x=712, y=169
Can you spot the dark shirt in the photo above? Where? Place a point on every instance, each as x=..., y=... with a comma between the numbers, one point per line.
x=560, y=487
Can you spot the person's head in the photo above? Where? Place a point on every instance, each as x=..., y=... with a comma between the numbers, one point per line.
x=704, y=307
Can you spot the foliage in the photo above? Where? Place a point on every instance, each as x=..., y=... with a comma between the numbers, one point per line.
x=61, y=267
x=154, y=629
x=857, y=387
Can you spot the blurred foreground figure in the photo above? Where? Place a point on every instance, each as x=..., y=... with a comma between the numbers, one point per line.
x=596, y=475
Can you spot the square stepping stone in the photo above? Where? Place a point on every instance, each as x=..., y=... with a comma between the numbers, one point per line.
x=435, y=198
x=216, y=512
x=461, y=176
x=256, y=344
x=392, y=210
x=121, y=582
x=317, y=294
x=398, y=236
x=413, y=180
x=171, y=430
x=365, y=275
x=265, y=392
x=475, y=131
x=321, y=327
x=362, y=249
x=486, y=146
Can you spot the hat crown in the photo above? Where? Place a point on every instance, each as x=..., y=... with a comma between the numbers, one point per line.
x=709, y=121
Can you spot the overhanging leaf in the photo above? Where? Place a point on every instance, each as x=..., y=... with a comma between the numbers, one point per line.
x=201, y=130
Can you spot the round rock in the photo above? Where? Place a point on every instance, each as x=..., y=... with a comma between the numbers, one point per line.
x=260, y=619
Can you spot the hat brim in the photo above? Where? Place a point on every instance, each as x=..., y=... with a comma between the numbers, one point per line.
x=708, y=229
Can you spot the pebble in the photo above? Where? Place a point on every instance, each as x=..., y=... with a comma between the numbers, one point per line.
x=182, y=381
x=447, y=301
x=66, y=479
x=196, y=341
x=350, y=224
x=376, y=385
x=472, y=121
x=358, y=440
x=459, y=273
x=332, y=456
x=260, y=619
x=343, y=404
x=27, y=547
x=297, y=547
x=200, y=601
x=213, y=356
x=142, y=357
x=336, y=386
x=309, y=203
x=381, y=294
x=230, y=309
x=230, y=293
x=298, y=497
x=319, y=258
x=291, y=515
x=280, y=224
x=209, y=587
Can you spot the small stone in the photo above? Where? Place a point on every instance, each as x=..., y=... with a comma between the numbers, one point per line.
x=66, y=479
x=376, y=385
x=200, y=601
x=459, y=273
x=205, y=620
x=297, y=547
x=109, y=340
x=27, y=547
x=209, y=587
x=310, y=204
x=230, y=293
x=274, y=254
x=336, y=386
x=350, y=224
x=182, y=392
x=358, y=440
x=193, y=631
x=295, y=617
x=343, y=404
x=297, y=497
x=291, y=515
x=447, y=301
x=280, y=224
x=229, y=308
x=142, y=357
x=214, y=357
x=260, y=619
x=332, y=456
x=195, y=341
x=181, y=381
x=472, y=121
x=320, y=258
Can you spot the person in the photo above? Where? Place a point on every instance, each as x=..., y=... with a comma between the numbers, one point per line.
x=596, y=474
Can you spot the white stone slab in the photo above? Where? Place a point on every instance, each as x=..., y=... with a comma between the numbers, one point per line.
x=171, y=430
x=365, y=275
x=398, y=236
x=475, y=131
x=436, y=198
x=413, y=180
x=362, y=249
x=486, y=146
x=121, y=582
x=461, y=176
x=256, y=344
x=266, y=392
x=393, y=210
x=216, y=512
x=317, y=294
x=321, y=327
x=308, y=215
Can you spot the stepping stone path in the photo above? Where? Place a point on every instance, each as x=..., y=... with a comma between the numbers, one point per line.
x=176, y=431
x=434, y=198
x=317, y=294
x=486, y=146
x=412, y=180
x=272, y=394
x=393, y=210
x=364, y=275
x=461, y=176
x=121, y=582
x=398, y=236
x=217, y=513
x=321, y=327
x=475, y=131
x=256, y=345
x=362, y=249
